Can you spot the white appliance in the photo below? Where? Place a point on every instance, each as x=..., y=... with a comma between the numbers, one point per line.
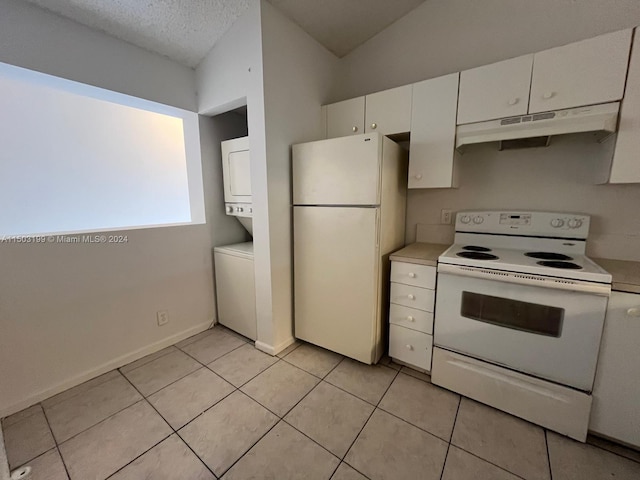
x=349, y=198
x=538, y=127
x=235, y=288
x=519, y=315
x=236, y=173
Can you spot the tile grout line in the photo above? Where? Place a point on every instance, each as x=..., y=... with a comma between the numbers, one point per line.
x=546, y=444
x=55, y=440
x=375, y=407
x=281, y=419
x=173, y=432
x=446, y=455
x=175, y=349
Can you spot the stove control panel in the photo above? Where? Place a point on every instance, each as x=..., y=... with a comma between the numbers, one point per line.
x=544, y=224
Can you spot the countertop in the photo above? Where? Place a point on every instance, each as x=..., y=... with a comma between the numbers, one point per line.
x=625, y=273
x=420, y=253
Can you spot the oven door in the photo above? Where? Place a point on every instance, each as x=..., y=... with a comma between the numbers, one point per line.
x=551, y=333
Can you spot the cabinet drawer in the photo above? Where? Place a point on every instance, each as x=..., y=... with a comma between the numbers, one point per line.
x=413, y=297
x=411, y=274
x=411, y=318
x=411, y=347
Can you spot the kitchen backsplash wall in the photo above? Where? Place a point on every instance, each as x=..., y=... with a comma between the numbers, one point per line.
x=561, y=177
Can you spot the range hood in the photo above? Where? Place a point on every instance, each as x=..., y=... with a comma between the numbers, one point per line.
x=536, y=129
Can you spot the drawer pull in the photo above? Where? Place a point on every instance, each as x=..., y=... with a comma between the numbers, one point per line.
x=411, y=297
x=412, y=275
x=409, y=347
x=411, y=319
x=634, y=312
x=548, y=95
x=354, y=129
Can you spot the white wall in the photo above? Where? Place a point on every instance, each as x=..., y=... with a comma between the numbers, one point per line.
x=69, y=312
x=284, y=76
x=298, y=74
x=445, y=36
x=36, y=39
x=561, y=177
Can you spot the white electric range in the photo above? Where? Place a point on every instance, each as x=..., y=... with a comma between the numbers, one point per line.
x=519, y=316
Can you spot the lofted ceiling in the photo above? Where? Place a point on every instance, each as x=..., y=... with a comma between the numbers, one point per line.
x=185, y=30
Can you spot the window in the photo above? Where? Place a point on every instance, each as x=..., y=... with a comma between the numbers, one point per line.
x=77, y=158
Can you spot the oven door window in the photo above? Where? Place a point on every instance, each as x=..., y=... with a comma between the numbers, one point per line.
x=508, y=313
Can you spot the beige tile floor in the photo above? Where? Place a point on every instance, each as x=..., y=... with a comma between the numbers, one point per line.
x=215, y=407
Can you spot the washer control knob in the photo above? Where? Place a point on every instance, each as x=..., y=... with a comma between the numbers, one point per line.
x=250, y=209
x=465, y=219
x=557, y=222
x=478, y=220
x=239, y=209
x=575, y=223
x=229, y=209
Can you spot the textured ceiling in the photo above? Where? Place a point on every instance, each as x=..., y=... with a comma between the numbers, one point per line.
x=185, y=30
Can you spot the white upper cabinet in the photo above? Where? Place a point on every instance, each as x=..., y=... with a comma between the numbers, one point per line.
x=345, y=118
x=495, y=91
x=582, y=73
x=433, y=133
x=625, y=167
x=389, y=112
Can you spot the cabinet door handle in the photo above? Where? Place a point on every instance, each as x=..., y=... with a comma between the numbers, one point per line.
x=410, y=318
x=409, y=347
x=634, y=312
x=354, y=129
x=411, y=297
x=412, y=275
x=418, y=176
x=548, y=95
x=513, y=101
x=374, y=125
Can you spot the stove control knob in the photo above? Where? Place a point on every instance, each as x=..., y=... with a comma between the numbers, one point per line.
x=465, y=219
x=478, y=220
x=575, y=223
x=557, y=222
x=229, y=209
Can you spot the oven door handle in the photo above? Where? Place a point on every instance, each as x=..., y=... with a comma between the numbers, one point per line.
x=527, y=279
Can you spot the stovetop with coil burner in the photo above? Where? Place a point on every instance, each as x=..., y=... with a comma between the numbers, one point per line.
x=528, y=242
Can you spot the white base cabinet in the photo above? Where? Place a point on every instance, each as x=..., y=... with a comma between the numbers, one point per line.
x=411, y=314
x=616, y=392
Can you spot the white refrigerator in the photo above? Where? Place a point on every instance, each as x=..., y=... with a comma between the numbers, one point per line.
x=349, y=203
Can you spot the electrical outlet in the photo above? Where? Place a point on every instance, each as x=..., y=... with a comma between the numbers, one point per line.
x=163, y=318
x=445, y=217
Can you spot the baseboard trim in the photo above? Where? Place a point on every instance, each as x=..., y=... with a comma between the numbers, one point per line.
x=4, y=463
x=271, y=350
x=104, y=368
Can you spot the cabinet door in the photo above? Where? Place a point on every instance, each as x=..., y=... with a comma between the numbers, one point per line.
x=582, y=73
x=345, y=118
x=616, y=393
x=432, y=147
x=626, y=165
x=495, y=91
x=389, y=112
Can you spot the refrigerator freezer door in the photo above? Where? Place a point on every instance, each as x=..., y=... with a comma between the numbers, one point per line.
x=339, y=171
x=336, y=278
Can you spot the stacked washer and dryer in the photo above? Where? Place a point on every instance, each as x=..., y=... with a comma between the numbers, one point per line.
x=235, y=278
